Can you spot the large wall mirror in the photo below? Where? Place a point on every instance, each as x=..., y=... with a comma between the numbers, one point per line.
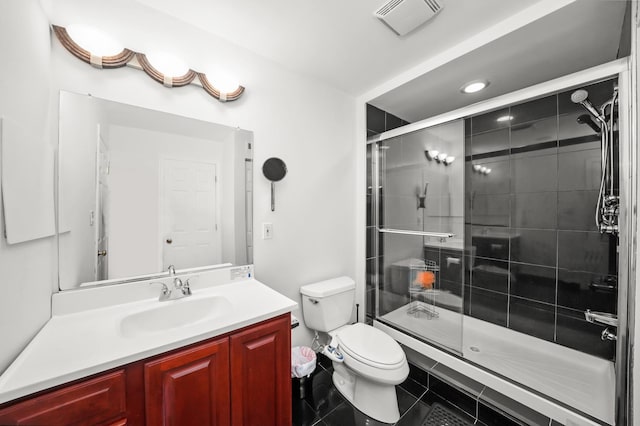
x=140, y=190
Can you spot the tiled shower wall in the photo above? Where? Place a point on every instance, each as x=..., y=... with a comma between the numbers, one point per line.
x=534, y=260
x=539, y=260
x=378, y=121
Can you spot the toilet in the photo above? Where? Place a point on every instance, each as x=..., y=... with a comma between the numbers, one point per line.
x=367, y=363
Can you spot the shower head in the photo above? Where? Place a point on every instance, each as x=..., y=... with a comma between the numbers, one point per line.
x=581, y=97
x=586, y=119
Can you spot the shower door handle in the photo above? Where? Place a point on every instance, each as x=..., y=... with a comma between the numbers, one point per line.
x=601, y=318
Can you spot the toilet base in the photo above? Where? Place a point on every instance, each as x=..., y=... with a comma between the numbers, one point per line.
x=377, y=400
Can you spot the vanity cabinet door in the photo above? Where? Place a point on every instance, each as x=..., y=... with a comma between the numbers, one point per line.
x=261, y=374
x=97, y=401
x=189, y=387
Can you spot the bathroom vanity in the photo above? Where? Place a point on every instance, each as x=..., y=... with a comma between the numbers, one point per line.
x=220, y=356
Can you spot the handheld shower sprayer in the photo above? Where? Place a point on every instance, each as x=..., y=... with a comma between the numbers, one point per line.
x=422, y=197
x=582, y=97
x=607, y=207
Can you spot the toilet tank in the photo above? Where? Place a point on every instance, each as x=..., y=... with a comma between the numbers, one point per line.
x=327, y=305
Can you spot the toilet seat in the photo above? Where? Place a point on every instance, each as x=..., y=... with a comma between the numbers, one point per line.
x=371, y=347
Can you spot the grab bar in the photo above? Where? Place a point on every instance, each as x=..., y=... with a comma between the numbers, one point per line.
x=601, y=318
x=420, y=233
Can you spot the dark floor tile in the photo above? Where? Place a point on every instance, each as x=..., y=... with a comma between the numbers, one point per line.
x=302, y=413
x=414, y=388
x=532, y=318
x=346, y=415
x=533, y=282
x=415, y=415
x=491, y=417
x=489, y=306
x=460, y=399
x=573, y=331
x=405, y=399
x=512, y=409
x=324, y=396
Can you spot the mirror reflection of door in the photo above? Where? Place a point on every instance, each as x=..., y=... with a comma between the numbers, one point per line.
x=102, y=205
x=188, y=223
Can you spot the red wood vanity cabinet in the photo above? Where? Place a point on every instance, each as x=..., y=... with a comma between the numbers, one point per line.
x=241, y=378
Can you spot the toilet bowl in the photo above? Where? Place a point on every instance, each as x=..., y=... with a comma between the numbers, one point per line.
x=373, y=365
x=370, y=363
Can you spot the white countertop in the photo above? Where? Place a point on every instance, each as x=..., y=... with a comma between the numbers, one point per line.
x=77, y=343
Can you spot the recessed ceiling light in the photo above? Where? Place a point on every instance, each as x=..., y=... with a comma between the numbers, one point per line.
x=474, y=86
x=504, y=118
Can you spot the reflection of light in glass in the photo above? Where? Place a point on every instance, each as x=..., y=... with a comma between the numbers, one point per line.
x=449, y=159
x=432, y=153
x=483, y=169
x=94, y=41
x=477, y=167
x=504, y=118
x=168, y=64
x=487, y=171
x=474, y=86
x=442, y=156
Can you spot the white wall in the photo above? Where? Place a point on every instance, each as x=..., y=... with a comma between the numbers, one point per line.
x=27, y=270
x=309, y=125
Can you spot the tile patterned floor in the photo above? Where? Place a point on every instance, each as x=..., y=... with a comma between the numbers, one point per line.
x=323, y=405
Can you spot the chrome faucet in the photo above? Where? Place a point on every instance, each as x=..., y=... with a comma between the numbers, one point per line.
x=182, y=287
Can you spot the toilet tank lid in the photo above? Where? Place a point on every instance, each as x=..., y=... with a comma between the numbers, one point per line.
x=328, y=287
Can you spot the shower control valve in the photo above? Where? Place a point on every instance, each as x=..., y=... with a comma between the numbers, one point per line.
x=607, y=335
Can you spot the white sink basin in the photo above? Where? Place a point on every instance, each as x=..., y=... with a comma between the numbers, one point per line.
x=174, y=314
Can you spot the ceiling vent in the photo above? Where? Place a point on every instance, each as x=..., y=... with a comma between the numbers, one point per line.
x=403, y=16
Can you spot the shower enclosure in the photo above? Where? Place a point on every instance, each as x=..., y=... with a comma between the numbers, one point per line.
x=496, y=240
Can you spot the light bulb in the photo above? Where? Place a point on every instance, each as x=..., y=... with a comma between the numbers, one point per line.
x=483, y=169
x=442, y=156
x=168, y=64
x=487, y=171
x=222, y=80
x=474, y=86
x=94, y=41
x=477, y=167
x=449, y=159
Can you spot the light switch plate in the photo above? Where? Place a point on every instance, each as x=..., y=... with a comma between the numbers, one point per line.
x=267, y=231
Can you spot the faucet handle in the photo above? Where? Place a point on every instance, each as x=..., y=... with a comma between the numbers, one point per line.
x=186, y=288
x=165, y=292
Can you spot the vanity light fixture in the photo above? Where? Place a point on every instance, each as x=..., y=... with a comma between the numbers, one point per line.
x=431, y=154
x=440, y=157
x=481, y=169
x=101, y=51
x=106, y=53
x=474, y=86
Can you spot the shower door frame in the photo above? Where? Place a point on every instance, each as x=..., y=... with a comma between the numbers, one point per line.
x=621, y=69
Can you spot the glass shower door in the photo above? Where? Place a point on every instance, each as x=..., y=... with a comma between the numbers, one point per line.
x=420, y=227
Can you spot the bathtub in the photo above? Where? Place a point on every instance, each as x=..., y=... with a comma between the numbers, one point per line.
x=572, y=378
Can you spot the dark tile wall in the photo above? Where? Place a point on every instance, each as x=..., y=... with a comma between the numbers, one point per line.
x=536, y=256
x=378, y=121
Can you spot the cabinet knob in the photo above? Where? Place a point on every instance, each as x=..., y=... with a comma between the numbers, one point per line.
x=169, y=240
x=102, y=252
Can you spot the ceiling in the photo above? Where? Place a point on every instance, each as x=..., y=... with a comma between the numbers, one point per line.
x=581, y=35
x=341, y=44
x=338, y=42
